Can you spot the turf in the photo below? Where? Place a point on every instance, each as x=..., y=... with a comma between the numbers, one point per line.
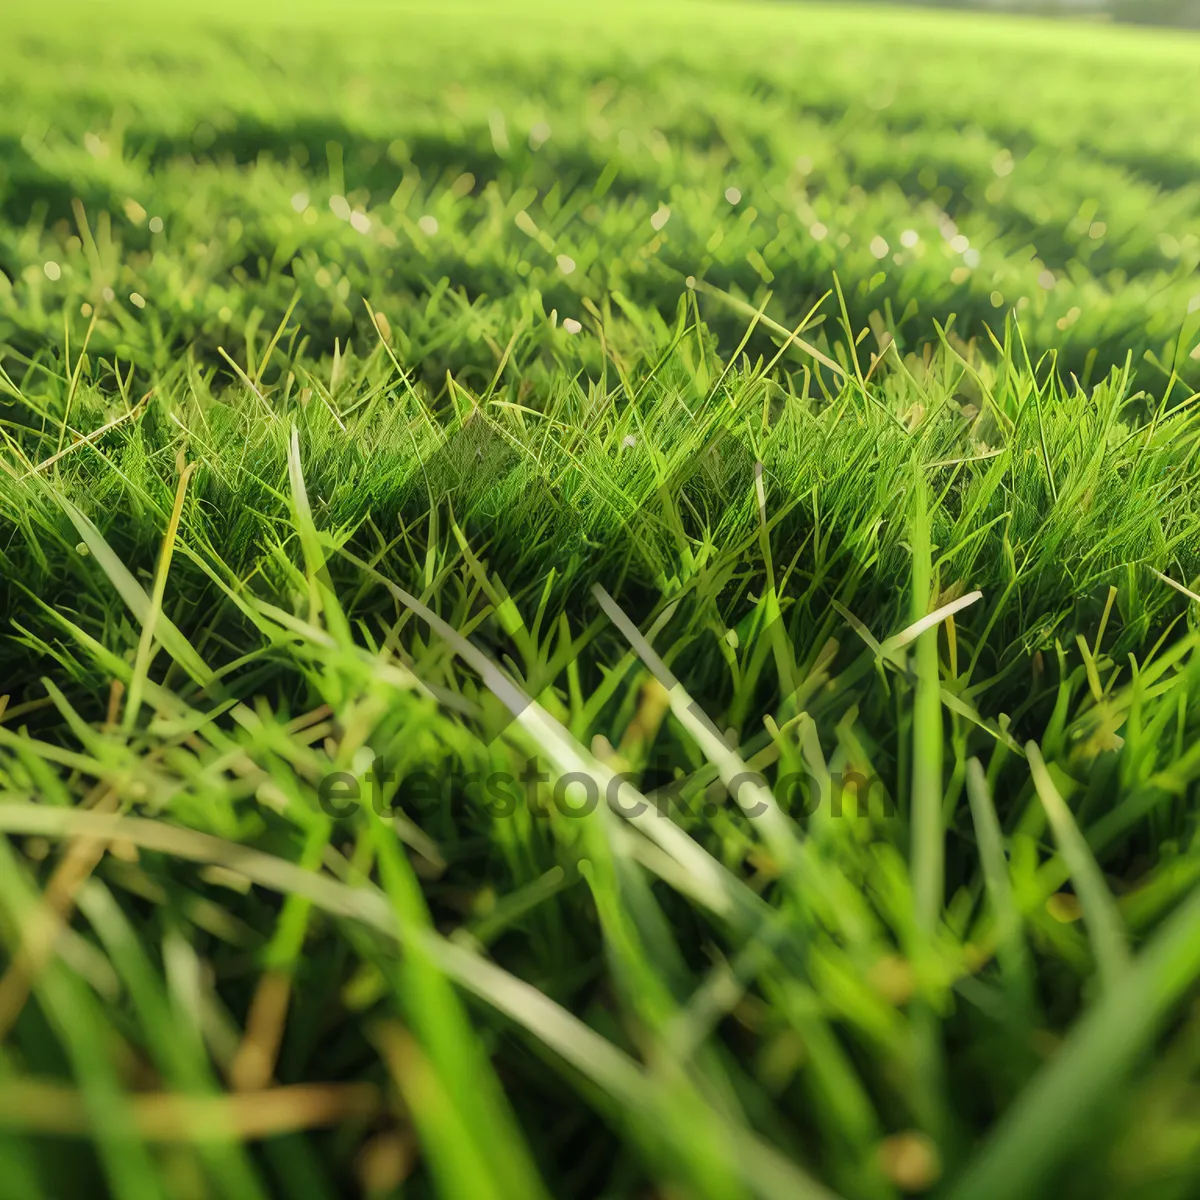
x=597, y=604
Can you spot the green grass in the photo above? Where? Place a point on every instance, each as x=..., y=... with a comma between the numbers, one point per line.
x=304, y=473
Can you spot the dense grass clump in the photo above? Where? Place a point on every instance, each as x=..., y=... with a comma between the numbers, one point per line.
x=597, y=605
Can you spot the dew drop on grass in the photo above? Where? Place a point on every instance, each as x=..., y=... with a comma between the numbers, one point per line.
x=601, y=746
x=571, y=325
x=36, y=849
x=893, y=978
x=733, y=195
x=156, y=224
x=53, y=271
x=566, y=264
x=1064, y=907
x=910, y=1160
x=137, y=299
x=428, y=225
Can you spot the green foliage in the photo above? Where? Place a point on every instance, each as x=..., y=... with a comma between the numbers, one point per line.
x=429, y=728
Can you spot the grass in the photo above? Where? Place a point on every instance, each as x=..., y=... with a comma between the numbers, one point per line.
x=458, y=558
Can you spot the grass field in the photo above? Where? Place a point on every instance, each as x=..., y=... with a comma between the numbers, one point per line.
x=598, y=603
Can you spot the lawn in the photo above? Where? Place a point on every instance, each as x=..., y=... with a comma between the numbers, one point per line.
x=598, y=603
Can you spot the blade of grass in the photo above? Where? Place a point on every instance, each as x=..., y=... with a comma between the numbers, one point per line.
x=1100, y=912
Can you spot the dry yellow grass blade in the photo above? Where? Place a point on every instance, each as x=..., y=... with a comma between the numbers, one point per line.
x=40, y=937
x=50, y=1108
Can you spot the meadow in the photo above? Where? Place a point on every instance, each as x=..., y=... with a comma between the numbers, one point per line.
x=598, y=603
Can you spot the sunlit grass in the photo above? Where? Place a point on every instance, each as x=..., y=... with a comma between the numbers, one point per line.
x=457, y=446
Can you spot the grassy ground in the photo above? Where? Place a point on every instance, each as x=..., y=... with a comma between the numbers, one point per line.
x=521, y=682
